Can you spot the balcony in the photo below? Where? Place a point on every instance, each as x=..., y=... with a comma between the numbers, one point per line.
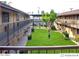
x=46, y=49
x=69, y=23
x=5, y=36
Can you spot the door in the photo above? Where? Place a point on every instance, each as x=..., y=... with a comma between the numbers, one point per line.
x=5, y=19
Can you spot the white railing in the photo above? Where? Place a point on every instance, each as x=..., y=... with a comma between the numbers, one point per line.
x=38, y=49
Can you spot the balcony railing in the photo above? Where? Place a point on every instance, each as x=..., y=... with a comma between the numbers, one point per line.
x=40, y=49
x=4, y=36
x=72, y=25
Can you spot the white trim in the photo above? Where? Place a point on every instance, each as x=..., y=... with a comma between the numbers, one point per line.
x=75, y=42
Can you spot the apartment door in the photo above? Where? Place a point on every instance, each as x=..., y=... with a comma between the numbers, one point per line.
x=5, y=19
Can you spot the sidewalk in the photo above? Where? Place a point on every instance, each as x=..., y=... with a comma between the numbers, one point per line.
x=22, y=41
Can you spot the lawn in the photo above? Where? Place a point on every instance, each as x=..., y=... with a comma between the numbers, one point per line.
x=40, y=38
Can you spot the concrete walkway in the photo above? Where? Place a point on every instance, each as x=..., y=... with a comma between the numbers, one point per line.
x=22, y=41
x=75, y=42
x=46, y=28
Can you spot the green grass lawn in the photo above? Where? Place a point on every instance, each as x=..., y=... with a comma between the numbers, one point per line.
x=40, y=38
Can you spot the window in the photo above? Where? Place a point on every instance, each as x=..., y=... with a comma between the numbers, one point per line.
x=13, y=26
x=6, y=28
x=77, y=16
x=73, y=17
x=59, y=17
x=65, y=21
x=70, y=17
x=77, y=31
x=17, y=17
x=5, y=17
x=65, y=17
x=17, y=24
x=24, y=18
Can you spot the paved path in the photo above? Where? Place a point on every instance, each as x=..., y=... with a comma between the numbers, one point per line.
x=75, y=42
x=22, y=41
x=41, y=28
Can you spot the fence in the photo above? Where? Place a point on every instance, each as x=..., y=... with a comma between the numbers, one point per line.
x=41, y=49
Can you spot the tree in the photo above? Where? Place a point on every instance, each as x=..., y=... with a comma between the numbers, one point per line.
x=52, y=17
x=45, y=17
x=49, y=18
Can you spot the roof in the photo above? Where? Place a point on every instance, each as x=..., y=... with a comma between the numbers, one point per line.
x=11, y=8
x=36, y=15
x=73, y=12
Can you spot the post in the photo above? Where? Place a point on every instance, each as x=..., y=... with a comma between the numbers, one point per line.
x=29, y=51
x=17, y=51
x=49, y=33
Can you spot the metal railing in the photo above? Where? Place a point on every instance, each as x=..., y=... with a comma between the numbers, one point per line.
x=40, y=49
x=4, y=36
x=73, y=24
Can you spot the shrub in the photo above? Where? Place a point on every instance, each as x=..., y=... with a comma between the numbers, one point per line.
x=29, y=37
x=53, y=28
x=66, y=35
x=32, y=29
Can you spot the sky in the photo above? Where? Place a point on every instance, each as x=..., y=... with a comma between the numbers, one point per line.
x=30, y=6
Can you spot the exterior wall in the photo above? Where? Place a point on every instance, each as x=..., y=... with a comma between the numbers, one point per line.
x=72, y=22
x=76, y=35
x=15, y=36
x=0, y=19
x=70, y=32
x=66, y=29
x=21, y=18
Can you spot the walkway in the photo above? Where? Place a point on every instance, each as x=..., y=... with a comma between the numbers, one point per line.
x=38, y=27
x=22, y=41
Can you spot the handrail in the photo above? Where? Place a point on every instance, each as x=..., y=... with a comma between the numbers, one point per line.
x=67, y=25
x=30, y=49
x=37, y=47
x=13, y=30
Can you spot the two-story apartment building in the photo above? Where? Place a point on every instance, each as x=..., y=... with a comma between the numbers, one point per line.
x=14, y=24
x=37, y=20
x=69, y=22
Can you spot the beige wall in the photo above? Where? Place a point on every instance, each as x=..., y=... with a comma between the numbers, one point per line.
x=12, y=18
x=72, y=22
x=70, y=32
x=0, y=20
x=0, y=16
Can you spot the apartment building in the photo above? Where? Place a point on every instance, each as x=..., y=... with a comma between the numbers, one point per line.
x=69, y=22
x=14, y=24
x=37, y=20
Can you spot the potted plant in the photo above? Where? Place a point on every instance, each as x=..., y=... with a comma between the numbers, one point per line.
x=29, y=37
x=66, y=35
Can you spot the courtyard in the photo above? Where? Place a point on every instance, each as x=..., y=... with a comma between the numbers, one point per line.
x=40, y=38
